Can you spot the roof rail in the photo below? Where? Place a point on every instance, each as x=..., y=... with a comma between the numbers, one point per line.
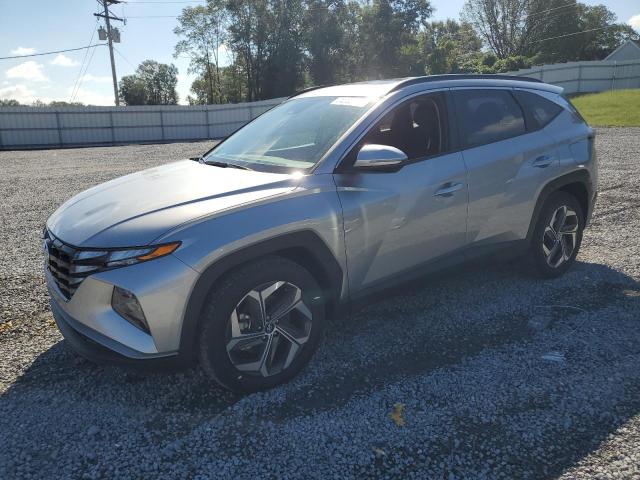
x=462, y=76
x=305, y=90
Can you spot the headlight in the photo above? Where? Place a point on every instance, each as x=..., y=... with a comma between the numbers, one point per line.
x=70, y=265
x=90, y=260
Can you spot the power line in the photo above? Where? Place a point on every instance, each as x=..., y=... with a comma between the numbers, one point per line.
x=575, y=33
x=170, y=2
x=153, y=16
x=320, y=9
x=551, y=9
x=84, y=58
x=545, y=19
x=123, y=57
x=82, y=77
x=55, y=51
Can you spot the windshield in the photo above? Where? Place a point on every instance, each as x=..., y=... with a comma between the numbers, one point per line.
x=295, y=135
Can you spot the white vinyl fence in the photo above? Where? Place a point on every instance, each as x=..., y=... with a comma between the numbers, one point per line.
x=29, y=127
x=50, y=127
x=586, y=77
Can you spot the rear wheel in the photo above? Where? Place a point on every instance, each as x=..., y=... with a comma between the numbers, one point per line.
x=261, y=325
x=558, y=235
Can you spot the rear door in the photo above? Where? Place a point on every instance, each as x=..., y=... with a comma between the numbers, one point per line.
x=508, y=157
x=396, y=221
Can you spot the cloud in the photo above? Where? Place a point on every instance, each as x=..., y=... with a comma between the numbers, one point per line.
x=26, y=95
x=23, y=51
x=63, y=61
x=28, y=71
x=91, y=97
x=93, y=78
x=635, y=22
x=17, y=92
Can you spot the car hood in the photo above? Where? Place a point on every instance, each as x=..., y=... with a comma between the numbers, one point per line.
x=136, y=209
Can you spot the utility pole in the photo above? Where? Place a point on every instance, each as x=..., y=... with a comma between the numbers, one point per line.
x=107, y=19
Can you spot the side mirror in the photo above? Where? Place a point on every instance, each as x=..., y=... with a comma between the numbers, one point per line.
x=380, y=157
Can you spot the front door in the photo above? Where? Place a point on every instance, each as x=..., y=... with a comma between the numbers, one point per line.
x=398, y=221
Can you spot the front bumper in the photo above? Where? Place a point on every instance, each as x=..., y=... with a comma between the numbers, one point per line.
x=82, y=343
x=95, y=330
x=591, y=208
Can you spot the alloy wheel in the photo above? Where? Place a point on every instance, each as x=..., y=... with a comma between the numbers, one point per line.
x=560, y=236
x=268, y=329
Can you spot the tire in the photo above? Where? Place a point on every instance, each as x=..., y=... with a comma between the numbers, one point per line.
x=244, y=314
x=551, y=253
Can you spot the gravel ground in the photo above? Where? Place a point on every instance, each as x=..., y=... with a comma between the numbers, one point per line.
x=479, y=373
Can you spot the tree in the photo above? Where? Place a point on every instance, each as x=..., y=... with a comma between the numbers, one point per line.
x=153, y=83
x=601, y=34
x=132, y=90
x=62, y=103
x=330, y=40
x=9, y=102
x=554, y=33
x=204, y=29
x=231, y=85
x=447, y=46
x=279, y=46
x=389, y=37
x=546, y=24
x=266, y=36
x=283, y=68
x=502, y=23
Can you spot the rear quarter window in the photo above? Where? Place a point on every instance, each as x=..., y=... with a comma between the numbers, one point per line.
x=574, y=111
x=540, y=110
x=487, y=116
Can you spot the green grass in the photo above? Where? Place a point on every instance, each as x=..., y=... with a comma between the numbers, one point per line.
x=616, y=108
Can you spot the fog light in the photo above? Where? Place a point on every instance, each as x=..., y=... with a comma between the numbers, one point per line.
x=126, y=304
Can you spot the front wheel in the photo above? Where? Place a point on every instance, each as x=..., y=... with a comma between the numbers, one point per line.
x=261, y=325
x=558, y=235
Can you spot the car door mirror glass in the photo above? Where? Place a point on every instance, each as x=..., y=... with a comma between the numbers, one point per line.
x=380, y=157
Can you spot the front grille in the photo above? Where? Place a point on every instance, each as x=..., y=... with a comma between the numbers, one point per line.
x=64, y=266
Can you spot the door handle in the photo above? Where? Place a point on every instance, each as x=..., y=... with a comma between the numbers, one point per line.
x=447, y=189
x=543, y=161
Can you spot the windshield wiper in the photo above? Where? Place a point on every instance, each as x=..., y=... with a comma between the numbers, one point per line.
x=216, y=163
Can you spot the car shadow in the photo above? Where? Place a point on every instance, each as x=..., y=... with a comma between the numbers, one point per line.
x=473, y=321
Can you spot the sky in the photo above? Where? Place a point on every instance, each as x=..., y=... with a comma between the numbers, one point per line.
x=35, y=26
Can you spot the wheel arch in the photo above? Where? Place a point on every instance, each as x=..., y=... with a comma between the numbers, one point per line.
x=577, y=183
x=304, y=247
x=581, y=193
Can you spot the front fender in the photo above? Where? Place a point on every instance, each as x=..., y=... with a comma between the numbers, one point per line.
x=316, y=254
x=308, y=219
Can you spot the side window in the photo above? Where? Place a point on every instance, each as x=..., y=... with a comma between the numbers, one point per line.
x=541, y=110
x=487, y=116
x=417, y=127
x=574, y=111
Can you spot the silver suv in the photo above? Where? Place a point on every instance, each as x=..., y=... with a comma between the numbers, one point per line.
x=238, y=258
